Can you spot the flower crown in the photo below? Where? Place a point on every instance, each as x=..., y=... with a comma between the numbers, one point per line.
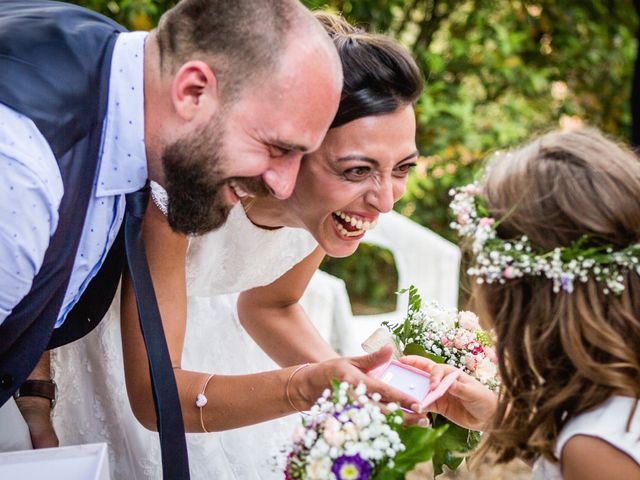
x=498, y=260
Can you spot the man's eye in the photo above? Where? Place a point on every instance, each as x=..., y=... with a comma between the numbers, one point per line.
x=356, y=173
x=276, y=151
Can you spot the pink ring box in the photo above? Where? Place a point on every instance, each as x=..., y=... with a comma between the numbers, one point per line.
x=413, y=381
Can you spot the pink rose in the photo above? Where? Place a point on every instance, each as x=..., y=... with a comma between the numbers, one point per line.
x=469, y=321
x=491, y=354
x=445, y=341
x=472, y=363
x=486, y=222
x=508, y=273
x=470, y=189
x=462, y=339
x=475, y=348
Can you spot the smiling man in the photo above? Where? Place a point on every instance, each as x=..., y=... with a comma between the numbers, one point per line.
x=219, y=102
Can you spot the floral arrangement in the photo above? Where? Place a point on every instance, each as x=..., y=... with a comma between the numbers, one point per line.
x=349, y=435
x=498, y=260
x=455, y=338
x=447, y=336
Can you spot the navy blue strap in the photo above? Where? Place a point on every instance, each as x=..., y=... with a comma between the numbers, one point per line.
x=175, y=463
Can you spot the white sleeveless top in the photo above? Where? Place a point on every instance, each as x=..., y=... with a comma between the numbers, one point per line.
x=607, y=422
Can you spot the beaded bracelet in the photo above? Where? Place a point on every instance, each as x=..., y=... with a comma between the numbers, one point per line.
x=201, y=401
x=286, y=388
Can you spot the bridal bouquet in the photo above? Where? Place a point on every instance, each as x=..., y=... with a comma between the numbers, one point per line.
x=444, y=336
x=349, y=435
x=447, y=336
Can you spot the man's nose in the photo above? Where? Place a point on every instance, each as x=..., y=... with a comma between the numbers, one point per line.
x=280, y=178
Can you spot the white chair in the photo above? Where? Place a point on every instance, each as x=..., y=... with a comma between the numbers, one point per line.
x=422, y=258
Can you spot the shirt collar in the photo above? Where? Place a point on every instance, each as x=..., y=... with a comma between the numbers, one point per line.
x=123, y=163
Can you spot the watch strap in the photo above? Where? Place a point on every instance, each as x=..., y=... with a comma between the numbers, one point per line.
x=38, y=388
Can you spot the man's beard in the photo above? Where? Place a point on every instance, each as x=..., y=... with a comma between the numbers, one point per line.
x=194, y=181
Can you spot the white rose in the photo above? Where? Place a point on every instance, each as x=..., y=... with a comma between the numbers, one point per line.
x=351, y=431
x=444, y=317
x=486, y=370
x=333, y=433
x=318, y=470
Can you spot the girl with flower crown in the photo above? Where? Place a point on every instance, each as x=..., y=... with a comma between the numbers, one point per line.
x=553, y=233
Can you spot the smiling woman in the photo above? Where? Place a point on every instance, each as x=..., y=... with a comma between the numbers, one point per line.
x=359, y=172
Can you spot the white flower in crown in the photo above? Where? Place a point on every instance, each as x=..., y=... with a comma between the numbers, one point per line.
x=498, y=260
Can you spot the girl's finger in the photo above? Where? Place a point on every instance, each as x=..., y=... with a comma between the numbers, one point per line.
x=419, y=362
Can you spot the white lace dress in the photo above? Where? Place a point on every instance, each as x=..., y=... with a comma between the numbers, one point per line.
x=92, y=399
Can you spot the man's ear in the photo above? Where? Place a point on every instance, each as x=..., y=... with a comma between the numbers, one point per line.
x=194, y=92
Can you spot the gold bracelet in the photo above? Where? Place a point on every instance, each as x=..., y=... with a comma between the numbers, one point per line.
x=201, y=401
x=286, y=389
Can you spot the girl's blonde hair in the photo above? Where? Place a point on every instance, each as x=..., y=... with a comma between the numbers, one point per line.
x=561, y=354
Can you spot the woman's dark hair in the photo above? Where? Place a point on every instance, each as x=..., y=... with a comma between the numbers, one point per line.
x=379, y=74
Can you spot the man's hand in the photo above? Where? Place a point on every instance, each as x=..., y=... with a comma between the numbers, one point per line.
x=37, y=414
x=467, y=403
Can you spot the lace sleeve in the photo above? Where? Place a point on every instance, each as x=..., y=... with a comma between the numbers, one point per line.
x=160, y=197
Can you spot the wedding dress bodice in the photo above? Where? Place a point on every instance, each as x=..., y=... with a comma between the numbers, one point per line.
x=240, y=256
x=92, y=399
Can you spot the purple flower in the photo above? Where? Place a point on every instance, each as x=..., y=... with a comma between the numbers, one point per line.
x=567, y=283
x=351, y=467
x=345, y=408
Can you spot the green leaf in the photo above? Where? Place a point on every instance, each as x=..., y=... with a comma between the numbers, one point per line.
x=335, y=387
x=452, y=445
x=420, y=443
x=417, y=349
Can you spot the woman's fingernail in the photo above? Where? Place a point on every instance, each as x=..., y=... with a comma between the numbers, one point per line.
x=423, y=422
x=416, y=407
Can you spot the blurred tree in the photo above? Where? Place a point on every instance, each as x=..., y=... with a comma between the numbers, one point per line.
x=133, y=14
x=498, y=71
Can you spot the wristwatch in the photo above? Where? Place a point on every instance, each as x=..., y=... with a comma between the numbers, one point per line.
x=38, y=388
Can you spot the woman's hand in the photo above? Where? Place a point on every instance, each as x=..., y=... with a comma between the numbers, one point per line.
x=467, y=403
x=307, y=385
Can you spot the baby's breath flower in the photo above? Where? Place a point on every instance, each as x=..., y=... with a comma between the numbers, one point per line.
x=498, y=260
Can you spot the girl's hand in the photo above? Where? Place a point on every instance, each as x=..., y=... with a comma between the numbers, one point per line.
x=467, y=403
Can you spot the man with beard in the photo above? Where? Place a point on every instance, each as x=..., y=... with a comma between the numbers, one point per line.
x=221, y=100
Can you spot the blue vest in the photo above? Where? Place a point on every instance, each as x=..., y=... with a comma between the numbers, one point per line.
x=55, y=61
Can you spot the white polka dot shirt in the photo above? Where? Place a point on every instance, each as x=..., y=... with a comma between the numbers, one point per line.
x=31, y=188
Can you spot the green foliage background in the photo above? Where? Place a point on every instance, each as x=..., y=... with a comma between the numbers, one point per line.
x=496, y=72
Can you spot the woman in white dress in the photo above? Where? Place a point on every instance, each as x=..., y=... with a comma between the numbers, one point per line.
x=268, y=249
